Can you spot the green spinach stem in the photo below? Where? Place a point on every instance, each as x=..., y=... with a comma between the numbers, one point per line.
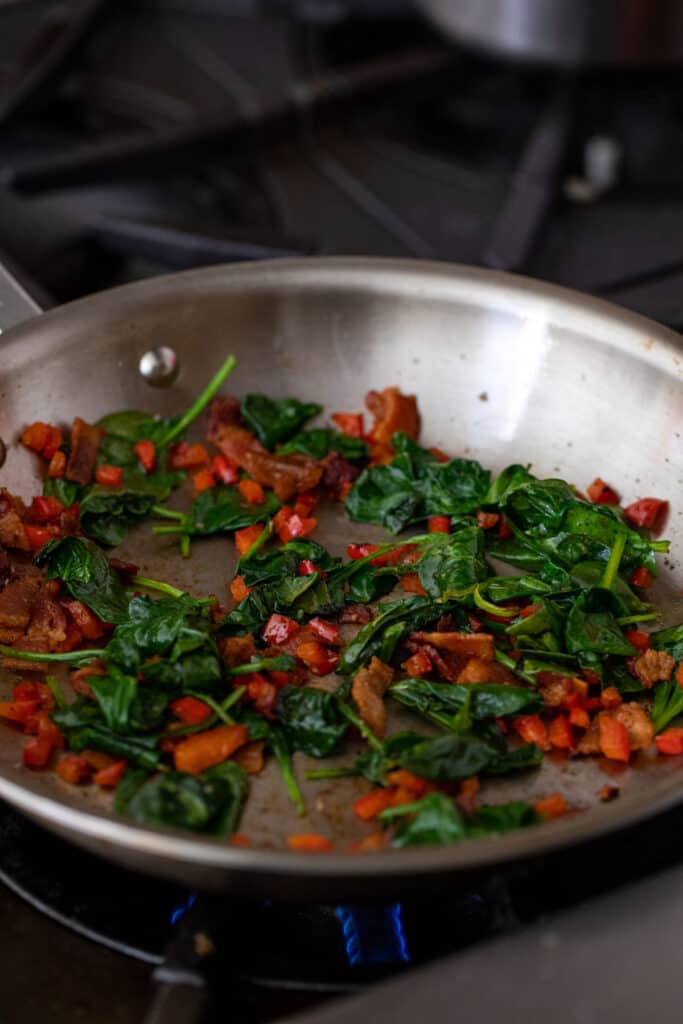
x=200, y=402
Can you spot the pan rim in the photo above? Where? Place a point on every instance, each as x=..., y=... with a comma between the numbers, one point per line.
x=566, y=309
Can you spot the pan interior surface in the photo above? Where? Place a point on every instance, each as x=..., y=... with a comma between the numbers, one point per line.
x=505, y=370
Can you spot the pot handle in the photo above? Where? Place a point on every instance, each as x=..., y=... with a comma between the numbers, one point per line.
x=16, y=305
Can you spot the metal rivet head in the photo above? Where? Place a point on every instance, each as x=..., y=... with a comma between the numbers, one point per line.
x=159, y=366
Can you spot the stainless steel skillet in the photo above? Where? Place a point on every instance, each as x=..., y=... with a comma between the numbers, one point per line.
x=505, y=369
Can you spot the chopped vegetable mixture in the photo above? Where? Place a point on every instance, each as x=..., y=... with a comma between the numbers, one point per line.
x=172, y=701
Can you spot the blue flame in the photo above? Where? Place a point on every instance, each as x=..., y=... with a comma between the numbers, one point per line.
x=374, y=935
x=182, y=908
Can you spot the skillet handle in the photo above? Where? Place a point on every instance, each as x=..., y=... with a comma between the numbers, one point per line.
x=16, y=305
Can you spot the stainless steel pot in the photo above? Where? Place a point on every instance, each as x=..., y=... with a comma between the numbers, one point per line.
x=571, y=33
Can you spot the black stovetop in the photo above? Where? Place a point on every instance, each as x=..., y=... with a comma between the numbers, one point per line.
x=175, y=134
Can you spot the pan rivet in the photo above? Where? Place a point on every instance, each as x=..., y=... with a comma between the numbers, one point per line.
x=159, y=366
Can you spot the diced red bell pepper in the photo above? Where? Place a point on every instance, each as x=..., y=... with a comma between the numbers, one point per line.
x=670, y=742
x=261, y=692
x=613, y=739
x=279, y=629
x=309, y=842
x=532, y=730
x=317, y=658
x=324, y=631
x=109, y=476
x=610, y=697
x=110, y=776
x=648, y=512
x=74, y=769
x=349, y=423
x=45, y=509
x=439, y=524
x=601, y=493
x=528, y=610
x=251, y=491
x=225, y=470
x=551, y=806
x=560, y=733
x=403, y=779
x=305, y=503
x=57, y=467
x=27, y=690
x=89, y=624
x=487, y=520
x=418, y=664
x=344, y=488
x=307, y=568
x=147, y=454
x=238, y=589
x=203, y=480
x=638, y=638
x=187, y=456
x=579, y=717
x=679, y=675
x=37, y=751
x=18, y=710
x=290, y=525
x=410, y=583
x=39, y=535
x=36, y=436
x=373, y=803
x=246, y=537
x=195, y=754
x=356, y=551
x=238, y=839
x=504, y=531
x=190, y=710
x=641, y=577
x=55, y=439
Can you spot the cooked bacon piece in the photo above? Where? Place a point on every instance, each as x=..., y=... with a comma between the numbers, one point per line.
x=79, y=678
x=6, y=569
x=358, y=614
x=369, y=687
x=393, y=412
x=479, y=671
x=12, y=514
x=555, y=688
x=653, y=667
x=337, y=471
x=17, y=600
x=468, y=645
x=48, y=620
x=250, y=757
x=125, y=569
x=286, y=474
x=85, y=440
x=447, y=665
x=636, y=721
x=224, y=411
x=237, y=650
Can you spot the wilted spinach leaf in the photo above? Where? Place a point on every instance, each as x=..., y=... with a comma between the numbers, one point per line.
x=311, y=720
x=221, y=509
x=85, y=728
x=86, y=574
x=274, y=420
x=320, y=442
x=667, y=705
x=432, y=821
x=451, y=563
x=592, y=627
x=268, y=565
x=669, y=640
x=63, y=490
x=414, y=486
x=487, y=700
x=115, y=694
x=210, y=802
x=411, y=612
x=504, y=818
x=107, y=513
